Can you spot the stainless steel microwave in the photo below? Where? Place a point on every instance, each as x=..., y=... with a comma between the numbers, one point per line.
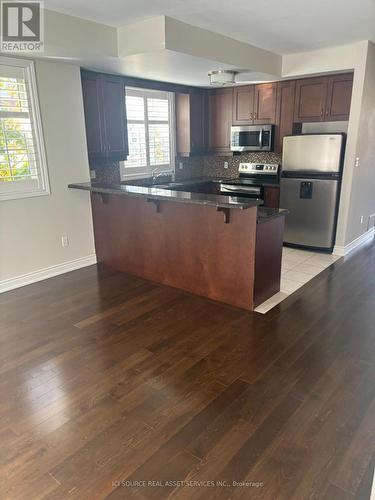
x=252, y=138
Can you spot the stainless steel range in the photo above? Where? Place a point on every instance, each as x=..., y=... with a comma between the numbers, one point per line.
x=253, y=178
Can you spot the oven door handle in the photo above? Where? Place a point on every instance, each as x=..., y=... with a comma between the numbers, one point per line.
x=239, y=189
x=260, y=138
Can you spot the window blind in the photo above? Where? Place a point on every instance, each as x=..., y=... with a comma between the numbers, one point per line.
x=22, y=167
x=150, y=131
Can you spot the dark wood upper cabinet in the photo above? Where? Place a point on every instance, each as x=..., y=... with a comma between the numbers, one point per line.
x=264, y=103
x=114, y=114
x=325, y=98
x=92, y=103
x=284, y=112
x=310, y=101
x=339, y=97
x=254, y=104
x=191, y=123
x=105, y=116
x=220, y=120
x=243, y=105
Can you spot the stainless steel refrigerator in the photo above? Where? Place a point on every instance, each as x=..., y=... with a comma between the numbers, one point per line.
x=310, y=188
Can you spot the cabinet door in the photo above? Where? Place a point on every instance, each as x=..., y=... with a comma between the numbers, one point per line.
x=272, y=197
x=183, y=140
x=311, y=97
x=265, y=103
x=243, y=105
x=92, y=103
x=339, y=97
x=190, y=123
x=220, y=120
x=284, y=112
x=114, y=112
x=198, y=122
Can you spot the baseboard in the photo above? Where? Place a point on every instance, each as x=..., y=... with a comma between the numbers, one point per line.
x=47, y=272
x=339, y=250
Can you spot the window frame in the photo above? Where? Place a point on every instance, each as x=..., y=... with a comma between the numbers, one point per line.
x=146, y=171
x=27, y=189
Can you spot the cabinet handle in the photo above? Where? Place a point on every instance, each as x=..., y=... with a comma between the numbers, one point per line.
x=327, y=112
x=255, y=115
x=251, y=116
x=321, y=113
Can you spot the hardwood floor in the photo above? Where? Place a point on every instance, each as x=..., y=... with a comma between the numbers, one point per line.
x=107, y=381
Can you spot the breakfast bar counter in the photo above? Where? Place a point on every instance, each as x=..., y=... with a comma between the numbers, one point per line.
x=201, y=243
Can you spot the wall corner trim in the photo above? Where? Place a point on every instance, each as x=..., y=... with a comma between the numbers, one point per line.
x=342, y=251
x=47, y=272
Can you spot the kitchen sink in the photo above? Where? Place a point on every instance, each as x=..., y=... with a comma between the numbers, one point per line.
x=149, y=182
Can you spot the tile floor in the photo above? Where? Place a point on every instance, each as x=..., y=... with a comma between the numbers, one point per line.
x=298, y=267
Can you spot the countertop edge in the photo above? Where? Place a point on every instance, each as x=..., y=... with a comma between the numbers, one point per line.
x=158, y=196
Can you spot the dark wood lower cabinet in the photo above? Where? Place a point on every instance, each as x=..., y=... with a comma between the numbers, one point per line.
x=272, y=197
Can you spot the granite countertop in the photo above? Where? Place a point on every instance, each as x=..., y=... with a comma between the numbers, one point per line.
x=265, y=214
x=158, y=193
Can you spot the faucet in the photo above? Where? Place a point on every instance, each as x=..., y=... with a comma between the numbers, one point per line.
x=156, y=173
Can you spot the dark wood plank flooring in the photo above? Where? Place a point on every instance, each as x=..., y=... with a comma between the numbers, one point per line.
x=107, y=381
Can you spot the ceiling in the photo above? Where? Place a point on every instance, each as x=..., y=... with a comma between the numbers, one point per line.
x=281, y=26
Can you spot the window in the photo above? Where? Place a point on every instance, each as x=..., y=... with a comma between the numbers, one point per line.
x=150, y=132
x=23, y=169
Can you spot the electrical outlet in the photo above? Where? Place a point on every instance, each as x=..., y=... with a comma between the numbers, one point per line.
x=64, y=241
x=356, y=164
x=92, y=174
x=180, y=165
x=226, y=164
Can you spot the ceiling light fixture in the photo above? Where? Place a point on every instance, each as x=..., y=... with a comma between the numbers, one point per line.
x=222, y=77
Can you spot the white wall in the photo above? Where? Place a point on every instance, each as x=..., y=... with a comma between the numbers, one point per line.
x=341, y=58
x=31, y=228
x=362, y=196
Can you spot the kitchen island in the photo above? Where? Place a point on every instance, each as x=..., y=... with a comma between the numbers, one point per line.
x=221, y=247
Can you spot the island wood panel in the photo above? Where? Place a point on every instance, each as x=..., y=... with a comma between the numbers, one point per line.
x=185, y=246
x=269, y=248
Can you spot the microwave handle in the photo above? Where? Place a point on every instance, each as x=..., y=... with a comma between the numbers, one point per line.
x=260, y=138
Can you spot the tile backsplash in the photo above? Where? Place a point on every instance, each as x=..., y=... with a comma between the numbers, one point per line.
x=195, y=166
x=107, y=173
x=213, y=166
